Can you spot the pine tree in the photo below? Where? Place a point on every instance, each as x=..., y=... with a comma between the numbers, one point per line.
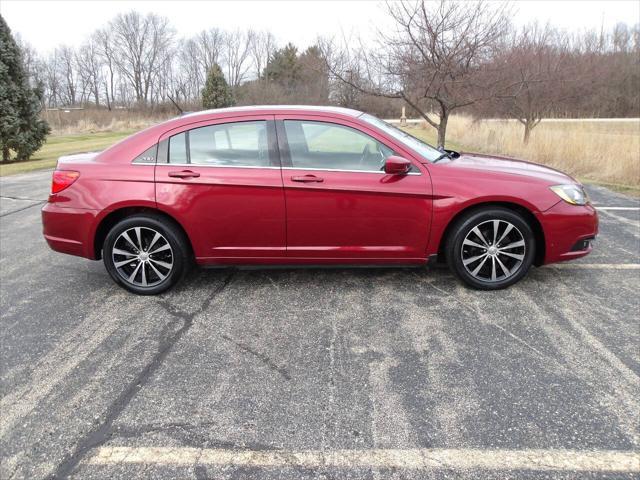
x=284, y=68
x=20, y=128
x=216, y=92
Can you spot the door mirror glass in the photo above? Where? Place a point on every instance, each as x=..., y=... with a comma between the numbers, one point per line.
x=395, y=165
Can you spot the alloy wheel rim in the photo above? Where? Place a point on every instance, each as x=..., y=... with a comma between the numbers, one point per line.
x=142, y=257
x=493, y=251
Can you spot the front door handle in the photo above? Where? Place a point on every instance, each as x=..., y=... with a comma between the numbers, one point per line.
x=184, y=174
x=307, y=179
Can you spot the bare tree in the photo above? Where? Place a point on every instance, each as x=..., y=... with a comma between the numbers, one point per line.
x=541, y=73
x=435, y=60
x=210, y=44
x=89, y=67
x=190, y=75
x=635, y=38
x=66, y=64
x=344, y=93
x=52, y=81
x=104, y=49
x=261, y=48
x=621, y=38
x=235, y=56
x=199, y=54
x=141, y=46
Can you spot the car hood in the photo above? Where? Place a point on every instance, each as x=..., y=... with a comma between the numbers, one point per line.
x=488, y=163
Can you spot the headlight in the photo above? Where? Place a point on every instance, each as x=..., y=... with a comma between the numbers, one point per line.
x=573, y=194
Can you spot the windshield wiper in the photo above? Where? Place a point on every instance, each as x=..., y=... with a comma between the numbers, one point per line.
x=441, y=157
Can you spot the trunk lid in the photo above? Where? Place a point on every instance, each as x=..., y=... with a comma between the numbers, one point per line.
x=76, y=160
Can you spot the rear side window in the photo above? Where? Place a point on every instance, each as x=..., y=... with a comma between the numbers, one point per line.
x=178, y=148
x=148, y=156
x=237, y=144
x=321, y=145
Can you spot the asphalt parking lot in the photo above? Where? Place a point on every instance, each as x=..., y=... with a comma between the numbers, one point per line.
x=361, y=373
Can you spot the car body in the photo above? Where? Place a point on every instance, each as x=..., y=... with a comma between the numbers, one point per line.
x=287, y=185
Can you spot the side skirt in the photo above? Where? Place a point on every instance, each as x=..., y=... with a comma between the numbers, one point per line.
x=431, y=261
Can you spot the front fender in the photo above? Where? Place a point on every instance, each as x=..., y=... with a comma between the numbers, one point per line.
x=455, y=194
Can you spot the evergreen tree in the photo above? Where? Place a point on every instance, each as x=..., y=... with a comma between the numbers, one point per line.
x=314, y=75
x=216, y=92
x=283, y=67
x=20, y=128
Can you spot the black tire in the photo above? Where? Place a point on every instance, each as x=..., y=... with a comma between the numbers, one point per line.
x=154, y=272
x=502, y=265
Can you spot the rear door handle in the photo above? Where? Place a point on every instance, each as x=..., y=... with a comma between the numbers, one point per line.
x=307, y=179
x=184, y=174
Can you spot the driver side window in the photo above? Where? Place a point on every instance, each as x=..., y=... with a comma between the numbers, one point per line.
x=329, y=146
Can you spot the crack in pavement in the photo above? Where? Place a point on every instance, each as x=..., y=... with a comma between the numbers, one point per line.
x=188, y=435
x=9, y=197
x=23, y=208
x=104, y=431
x=260, y=356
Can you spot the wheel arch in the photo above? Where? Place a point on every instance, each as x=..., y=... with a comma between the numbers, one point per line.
x=527, y=214
x=113, y=217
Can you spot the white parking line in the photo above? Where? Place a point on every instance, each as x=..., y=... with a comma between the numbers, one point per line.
x=410, y=459
x=617, y=208
x=599, y=266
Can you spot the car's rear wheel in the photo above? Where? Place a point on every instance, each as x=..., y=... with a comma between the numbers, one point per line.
x=145, y=254
x=491, y=248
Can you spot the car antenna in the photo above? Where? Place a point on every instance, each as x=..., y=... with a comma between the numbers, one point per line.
x=180, y=111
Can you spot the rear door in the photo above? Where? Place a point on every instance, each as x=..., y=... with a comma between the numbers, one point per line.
x=221, y=180
x=341, y=205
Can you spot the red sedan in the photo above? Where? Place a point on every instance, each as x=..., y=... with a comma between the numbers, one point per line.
x=308, y=186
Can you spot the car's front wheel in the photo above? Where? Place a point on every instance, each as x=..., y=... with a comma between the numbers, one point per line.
x=491, y=248
x=145, y=254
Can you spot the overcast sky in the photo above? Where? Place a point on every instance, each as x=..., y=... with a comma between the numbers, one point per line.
x=46, y=24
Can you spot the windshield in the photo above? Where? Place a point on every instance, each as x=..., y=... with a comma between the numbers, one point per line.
x=420, y=147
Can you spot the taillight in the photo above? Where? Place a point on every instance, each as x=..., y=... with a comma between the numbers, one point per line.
x=63, y=179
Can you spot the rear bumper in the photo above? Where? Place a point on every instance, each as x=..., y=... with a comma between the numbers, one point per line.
x=69, y=230
x=565, y=228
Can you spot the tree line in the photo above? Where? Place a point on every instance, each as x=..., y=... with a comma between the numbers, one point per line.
x=136, y=60
x=443, y=57
x=435, y=57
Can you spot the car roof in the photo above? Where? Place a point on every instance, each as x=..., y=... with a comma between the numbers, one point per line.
x=276, y=109
x=151, y=135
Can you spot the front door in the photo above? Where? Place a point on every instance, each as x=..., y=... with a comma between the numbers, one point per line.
x=341, y=206
x=221, y=180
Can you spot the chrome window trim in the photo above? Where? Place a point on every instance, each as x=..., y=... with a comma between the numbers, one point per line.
x=381, y=172
x=270, y=167
x=197, y=165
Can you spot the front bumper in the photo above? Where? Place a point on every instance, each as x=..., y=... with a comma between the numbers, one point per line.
x=568, y=230
x=69, y=230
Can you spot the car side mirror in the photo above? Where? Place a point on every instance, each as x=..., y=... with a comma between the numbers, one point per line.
x=395, y=165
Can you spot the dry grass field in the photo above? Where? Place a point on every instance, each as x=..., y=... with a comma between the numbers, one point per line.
x=601, y=151
x=65, y=122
